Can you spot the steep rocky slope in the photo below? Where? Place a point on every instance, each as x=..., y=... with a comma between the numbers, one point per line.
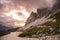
x=42, y=15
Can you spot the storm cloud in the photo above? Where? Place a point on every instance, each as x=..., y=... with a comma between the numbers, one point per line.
x=29, y=5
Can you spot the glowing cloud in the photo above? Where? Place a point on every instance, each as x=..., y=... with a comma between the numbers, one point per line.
x=16, y=12
x=15, y=15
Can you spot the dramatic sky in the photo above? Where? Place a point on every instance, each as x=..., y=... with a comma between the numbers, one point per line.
x=15, y=12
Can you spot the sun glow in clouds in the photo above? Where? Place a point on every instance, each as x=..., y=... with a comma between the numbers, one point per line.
x=18, y=11
x=19, y=24
x=18, y=15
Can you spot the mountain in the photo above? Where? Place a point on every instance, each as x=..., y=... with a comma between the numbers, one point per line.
x=42, y=15
x=6, y=30
x=32, y=18
x=51, y=27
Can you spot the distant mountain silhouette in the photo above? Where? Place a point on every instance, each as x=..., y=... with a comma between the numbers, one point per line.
x=6, y=30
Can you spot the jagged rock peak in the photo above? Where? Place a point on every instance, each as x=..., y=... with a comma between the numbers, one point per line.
x=32, y=18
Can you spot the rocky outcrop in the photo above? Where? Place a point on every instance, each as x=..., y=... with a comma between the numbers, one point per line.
x=40, y=13
x=32, y=18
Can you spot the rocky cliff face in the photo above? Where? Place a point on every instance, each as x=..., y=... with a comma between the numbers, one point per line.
x=40, y=13
x=32, y=18
x=43, y=12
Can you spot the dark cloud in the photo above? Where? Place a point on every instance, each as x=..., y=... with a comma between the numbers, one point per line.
x=1, y=5
x=34, y=4
x=29, y=5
